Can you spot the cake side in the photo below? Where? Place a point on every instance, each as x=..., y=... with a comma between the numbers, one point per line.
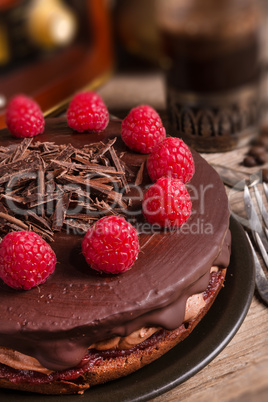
x=100, y=367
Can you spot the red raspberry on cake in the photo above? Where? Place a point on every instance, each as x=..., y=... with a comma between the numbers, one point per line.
x=24, y=117
x=167, y=203
x=26, y=260
x=142, y=129
x=87, y=112
x=172, y=158
x=111, y=245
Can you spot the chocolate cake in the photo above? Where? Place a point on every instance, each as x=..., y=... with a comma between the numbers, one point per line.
x=82, y=328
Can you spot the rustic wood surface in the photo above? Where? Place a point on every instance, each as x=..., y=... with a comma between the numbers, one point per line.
x=240, y=371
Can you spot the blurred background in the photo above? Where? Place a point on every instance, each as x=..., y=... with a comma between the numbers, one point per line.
x=213, y=56
x=50, y=49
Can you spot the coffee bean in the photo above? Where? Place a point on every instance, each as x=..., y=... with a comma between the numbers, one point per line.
x=250, y=161
x=265, y=175
x=257, y=150
x=261, y=159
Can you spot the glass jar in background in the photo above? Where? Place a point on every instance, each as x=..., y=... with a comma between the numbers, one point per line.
x=213, y=79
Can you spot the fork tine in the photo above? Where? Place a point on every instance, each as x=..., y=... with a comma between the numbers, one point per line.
x=265, y=187
x=260, y=277
x=254, y=221
x=262, y=249
x=261, y=206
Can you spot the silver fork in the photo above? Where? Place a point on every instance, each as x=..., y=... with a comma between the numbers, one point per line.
x=260, y=235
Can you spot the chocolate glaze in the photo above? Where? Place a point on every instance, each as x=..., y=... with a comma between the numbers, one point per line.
x=76, y=307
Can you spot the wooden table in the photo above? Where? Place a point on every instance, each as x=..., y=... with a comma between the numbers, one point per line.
x=240, y=371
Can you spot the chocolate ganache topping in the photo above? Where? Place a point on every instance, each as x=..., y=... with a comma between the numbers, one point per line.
x=76, y=307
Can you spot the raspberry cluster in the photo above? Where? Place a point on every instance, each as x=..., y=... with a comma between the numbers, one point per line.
x=24, y=117
x=167, y=203
x=111, y=245
x=170, y=164
x=171, y=158
x=142, y=129
x=87, y=112
x=26, y=260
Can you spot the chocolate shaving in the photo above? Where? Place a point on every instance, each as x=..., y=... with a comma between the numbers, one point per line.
x=139, y=177
x=99, y=187
x=35, y=201
x=28, y=164
x=33, y=218
x=47, y=187
x=13, y=220
x=104, y=149
x=32, y=161
x=21, y=149
x=60, y=211
x=127, y=169
x=89, y=167
x=81, y=217
x=19, y=180
x=4, y=150
x=41, y=188
x=105, y=161
x=13, y=198
x=117, y=198
x=103, y=206
x=2, y=208
x=63, y=156
x=118, y=166
x=3, y=161
x=74, y=224
x=47, y=235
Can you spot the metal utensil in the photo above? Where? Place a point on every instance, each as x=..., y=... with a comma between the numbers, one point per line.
x=235, y=178
x=261, y=280
x=254, y=222
x=259, y=234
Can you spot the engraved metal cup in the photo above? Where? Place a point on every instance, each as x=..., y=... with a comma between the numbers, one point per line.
x=212, y=81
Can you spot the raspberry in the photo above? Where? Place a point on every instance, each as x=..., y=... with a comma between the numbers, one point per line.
x=111, y=245
x=142, y=129
x=26, y=260
x=87, y=112
x=24, y=117
x=173, y=158
x=167, y=203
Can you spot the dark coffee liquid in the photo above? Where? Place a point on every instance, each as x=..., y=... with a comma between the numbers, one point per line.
x=208, y=65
